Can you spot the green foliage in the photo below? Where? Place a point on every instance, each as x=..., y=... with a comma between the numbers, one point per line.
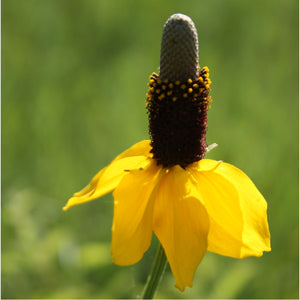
x=74, y=78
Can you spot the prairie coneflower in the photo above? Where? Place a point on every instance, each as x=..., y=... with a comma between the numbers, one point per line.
x=164, y=185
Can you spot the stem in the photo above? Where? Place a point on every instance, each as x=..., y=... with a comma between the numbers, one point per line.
x=156, y=273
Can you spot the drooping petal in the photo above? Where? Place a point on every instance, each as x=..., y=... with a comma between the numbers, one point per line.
x=133, y=210
x=141, y=148
x=109, y=177
x=181, y=224
x=237, y=210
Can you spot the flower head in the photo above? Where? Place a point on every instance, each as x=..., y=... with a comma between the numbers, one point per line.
x=164, y=185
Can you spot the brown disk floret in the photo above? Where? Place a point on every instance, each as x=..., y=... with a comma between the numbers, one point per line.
x=178, y=119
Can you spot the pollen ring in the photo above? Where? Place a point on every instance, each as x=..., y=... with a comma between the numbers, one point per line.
x=177, y=114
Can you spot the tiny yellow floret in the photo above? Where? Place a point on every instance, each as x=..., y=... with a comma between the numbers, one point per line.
x=162, y=96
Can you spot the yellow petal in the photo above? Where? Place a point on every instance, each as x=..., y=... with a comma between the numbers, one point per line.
x=204, y=165
x=141, y=148
x=107, y=179
x=133, y=209
x=237, y=210
x=181, y=224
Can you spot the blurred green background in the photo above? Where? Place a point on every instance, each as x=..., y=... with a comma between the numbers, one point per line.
x=74, y=79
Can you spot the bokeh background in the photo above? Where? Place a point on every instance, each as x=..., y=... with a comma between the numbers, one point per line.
x=74, y=79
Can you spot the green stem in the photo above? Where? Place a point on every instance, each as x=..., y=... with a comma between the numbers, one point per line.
x=156, y=273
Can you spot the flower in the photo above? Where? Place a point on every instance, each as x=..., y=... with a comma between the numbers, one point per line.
x=164, y=185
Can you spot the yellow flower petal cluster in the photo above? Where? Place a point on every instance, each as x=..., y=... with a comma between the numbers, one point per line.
x=208, y=206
